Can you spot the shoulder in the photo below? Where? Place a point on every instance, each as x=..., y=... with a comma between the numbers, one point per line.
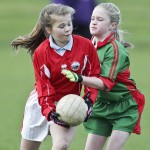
x=116, y=47
x=122, y=50
x=85, y=46
x=43, y=46
x=81, y=40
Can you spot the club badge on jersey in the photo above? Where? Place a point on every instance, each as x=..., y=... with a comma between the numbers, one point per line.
x=75, y=66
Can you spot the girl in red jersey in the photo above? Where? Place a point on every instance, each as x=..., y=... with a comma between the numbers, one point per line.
x=53, y=48
x=119, y=105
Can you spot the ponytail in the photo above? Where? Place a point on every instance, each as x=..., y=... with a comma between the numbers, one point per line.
x=39, y=34
x=119, y=35
x=31, y=41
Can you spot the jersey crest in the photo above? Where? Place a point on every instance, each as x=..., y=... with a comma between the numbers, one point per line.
x=75, y=66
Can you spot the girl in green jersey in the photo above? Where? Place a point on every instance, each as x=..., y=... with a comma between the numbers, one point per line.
x=117, y=112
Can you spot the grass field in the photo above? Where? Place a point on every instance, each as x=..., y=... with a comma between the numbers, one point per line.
x=18, y=18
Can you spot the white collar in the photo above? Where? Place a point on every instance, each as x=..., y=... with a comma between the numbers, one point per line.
x=66, y=47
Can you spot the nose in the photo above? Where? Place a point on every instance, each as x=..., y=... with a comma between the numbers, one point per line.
x=93, y=21
x=67, y=28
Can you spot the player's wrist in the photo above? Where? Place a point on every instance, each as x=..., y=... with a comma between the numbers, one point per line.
x=52, y=115
x=80, y=78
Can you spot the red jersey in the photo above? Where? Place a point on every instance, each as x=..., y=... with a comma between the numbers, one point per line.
x=51, y=84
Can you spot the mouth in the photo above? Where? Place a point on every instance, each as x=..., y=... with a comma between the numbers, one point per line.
x=67, y=35
x=93, y=28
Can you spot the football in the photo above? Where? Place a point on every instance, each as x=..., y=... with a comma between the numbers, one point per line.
x=72, y=109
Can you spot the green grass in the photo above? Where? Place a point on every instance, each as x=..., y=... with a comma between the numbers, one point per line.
x=17, y=79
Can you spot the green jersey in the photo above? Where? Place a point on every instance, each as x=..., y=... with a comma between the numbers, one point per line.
x=115, y=72
x=119, y=106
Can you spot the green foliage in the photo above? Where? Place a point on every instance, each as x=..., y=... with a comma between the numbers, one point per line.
x=17, y=78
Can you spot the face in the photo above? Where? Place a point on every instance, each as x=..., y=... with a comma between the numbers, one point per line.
x=100, y=25
x=61, y=29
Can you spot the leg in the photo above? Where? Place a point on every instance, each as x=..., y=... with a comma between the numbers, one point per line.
x=35, y=126
x=117, y=140
x=61, y=137
x=95, y=142
x=29, y=145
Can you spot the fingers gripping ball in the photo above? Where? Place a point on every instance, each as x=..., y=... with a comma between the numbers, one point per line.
x=54, y=116
x=72, y=109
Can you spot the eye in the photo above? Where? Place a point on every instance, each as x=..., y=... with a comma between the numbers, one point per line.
x=61, y=26
x=100, y=19
x=69, y=24
x=92, y=18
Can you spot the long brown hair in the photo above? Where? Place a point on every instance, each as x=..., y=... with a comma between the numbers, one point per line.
x=39, y=34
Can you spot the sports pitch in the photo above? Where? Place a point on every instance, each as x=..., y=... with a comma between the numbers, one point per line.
x=17, y=79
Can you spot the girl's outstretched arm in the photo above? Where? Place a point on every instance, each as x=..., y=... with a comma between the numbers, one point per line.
x=93, y=82
x=88, y=81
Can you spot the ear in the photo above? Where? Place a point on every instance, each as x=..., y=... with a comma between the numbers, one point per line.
x=48, y=30
x=113, y=26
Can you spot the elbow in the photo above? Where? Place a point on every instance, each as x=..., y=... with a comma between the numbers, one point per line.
x=102, y=87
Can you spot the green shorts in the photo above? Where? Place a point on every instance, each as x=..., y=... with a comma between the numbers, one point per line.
x=106, y=117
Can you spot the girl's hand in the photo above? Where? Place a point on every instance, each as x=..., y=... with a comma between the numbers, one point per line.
x=74, y=77
x=54, y=116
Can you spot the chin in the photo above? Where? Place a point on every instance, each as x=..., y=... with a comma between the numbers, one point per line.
x=92, y=32
x=66, y=38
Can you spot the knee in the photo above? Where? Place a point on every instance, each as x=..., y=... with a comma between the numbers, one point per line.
x=60, y=146
x=64, y=146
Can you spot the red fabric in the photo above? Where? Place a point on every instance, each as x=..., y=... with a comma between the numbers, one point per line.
x=108, y=83
x=123, y=77
x=51, y=84
x=140, y=100
x=114, y=62
x=109, y=39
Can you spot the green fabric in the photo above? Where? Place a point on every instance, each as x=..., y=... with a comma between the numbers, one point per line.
x=114, y=109
x=112, y=116
x=106, y=55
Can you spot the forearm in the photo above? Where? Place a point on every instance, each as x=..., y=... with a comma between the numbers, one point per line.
x=93, y=82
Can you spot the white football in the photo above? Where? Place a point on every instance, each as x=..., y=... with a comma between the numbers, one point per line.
x=72, y=109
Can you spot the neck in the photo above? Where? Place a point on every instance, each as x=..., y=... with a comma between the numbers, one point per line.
x=101, y=38
x=59, y=43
